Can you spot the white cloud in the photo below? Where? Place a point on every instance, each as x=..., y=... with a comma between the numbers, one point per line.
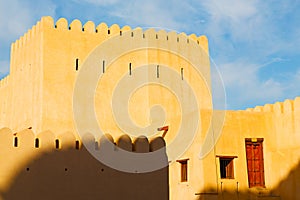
x=244, y=86
x=235, y=10
x=154, y=13
x=254, y=25
x=16, y=17
x=99, y=2
x=232, y=16
x=242, y=34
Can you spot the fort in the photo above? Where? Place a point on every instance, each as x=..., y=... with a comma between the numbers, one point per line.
x=256, y=155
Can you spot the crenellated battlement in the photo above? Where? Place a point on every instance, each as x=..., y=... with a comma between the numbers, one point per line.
x=42, y=149
x=44, y=161
x=27, y=37
x=46, y=61
x=287, y=106
x=102, y=29
x=47, y=139
x=4, y=81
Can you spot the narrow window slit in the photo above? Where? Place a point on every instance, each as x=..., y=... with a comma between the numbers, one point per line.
x=181, y=71
x=167, y=37
x=37, y=143
x=96, y=30
x=197, y=41
x=143, y=35
x=131, y=34
x=177, y=39
x=120, y=32
x=156, y=36
x=77, y=144
x=103, y=66
x=77, y=64
x=108, y=31
x=16, y=142
x=57, y=144
x=184, y=170
x=157, y=71
x=129, y=69
x=96, y=146
x=188, y=41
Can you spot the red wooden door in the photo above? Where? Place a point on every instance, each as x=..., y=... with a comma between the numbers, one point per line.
x=255, y=163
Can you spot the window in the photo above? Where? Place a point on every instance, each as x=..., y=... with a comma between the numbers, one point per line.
x=103, y=66
x=37, y=143
x=129, y=69
x=57, y=144
x=226, y=167
x=77, y=144
x=184, y=170
x=77, y=64
x=16, y=142
x=255, y=162
x=181, y=71
x=96, y=146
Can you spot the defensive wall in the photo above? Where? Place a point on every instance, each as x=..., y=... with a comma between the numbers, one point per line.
x=45, y=166
x=37, y=96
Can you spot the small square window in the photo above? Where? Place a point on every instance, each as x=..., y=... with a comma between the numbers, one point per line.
x=226, y=167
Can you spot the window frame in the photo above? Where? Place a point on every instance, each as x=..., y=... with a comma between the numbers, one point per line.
x=229, y=172
x=183, y=170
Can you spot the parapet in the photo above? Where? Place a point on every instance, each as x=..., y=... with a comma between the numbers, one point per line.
x=47, y=139
x=288, y=106
x=4, y=82
x=29, y=35
x=89, y=27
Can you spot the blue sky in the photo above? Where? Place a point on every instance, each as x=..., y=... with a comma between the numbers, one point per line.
x=255, y=44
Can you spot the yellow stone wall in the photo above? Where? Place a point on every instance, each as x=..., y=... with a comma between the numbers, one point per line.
x=38, y=94
x=46, y=172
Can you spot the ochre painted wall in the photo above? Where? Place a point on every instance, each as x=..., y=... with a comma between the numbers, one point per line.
x=38, y=94
x=47, y=172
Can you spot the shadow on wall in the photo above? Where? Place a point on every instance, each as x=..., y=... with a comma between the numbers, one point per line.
x=75, y=174
x=287, y=189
